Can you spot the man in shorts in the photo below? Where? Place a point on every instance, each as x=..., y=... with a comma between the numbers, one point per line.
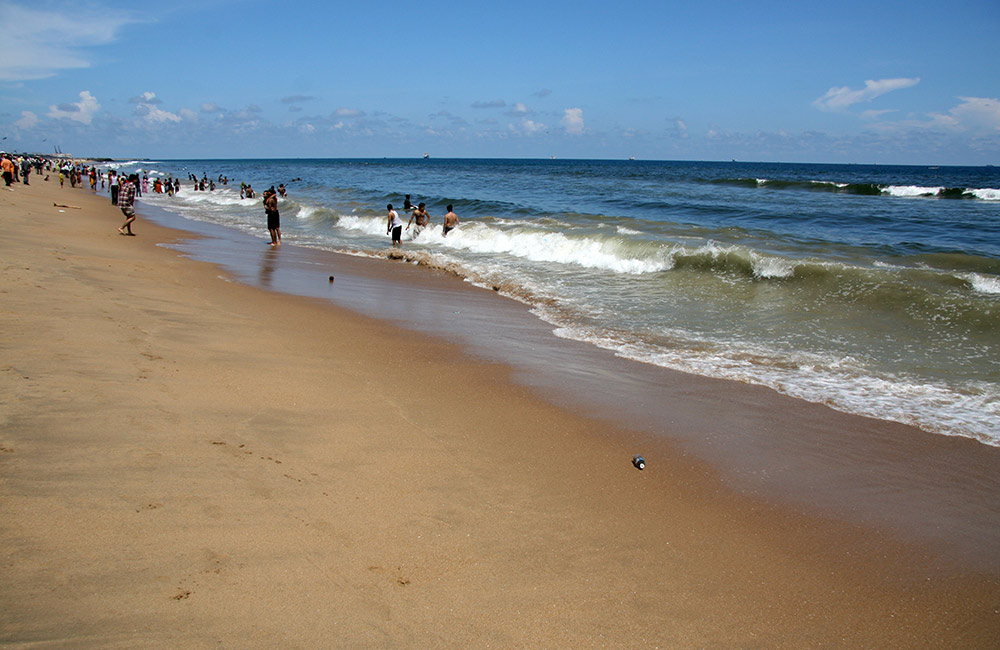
x=422, y=218
x=450, y=221
x=273, y=218
x=126, y=201
x=394, y=225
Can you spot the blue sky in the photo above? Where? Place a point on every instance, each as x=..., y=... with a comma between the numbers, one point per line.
x=911, y=82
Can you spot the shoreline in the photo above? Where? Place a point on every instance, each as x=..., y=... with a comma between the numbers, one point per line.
x=703, y=305
x=183, y=455
x=922, y=486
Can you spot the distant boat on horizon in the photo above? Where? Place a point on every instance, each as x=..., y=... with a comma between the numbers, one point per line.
x=426, y=155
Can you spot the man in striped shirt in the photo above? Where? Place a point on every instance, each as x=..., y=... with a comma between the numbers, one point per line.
x=126, y=197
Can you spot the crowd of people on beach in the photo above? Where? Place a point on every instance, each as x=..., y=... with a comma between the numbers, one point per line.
x=124, y=190
x=17, y=168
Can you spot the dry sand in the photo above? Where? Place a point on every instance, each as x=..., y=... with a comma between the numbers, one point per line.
x=189, y=462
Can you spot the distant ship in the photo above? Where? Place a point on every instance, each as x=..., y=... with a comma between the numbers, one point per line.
x=426, y=155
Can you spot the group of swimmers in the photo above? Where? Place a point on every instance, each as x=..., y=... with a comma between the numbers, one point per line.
x=420, y=216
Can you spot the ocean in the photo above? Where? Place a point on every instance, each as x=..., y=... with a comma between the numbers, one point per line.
x=872, y=289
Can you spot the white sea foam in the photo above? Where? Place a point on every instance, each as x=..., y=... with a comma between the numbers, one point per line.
x=222, y=198
x=531, y=244
x=556, y=247
x=985, y=194
x=983, y=283
x=367, y=225
x=129, y=163
x=306, y=211
x=840, y=383
x=911, y=190
x=766, y=267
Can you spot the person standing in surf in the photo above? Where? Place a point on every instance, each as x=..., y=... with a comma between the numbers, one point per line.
x=422, y=218
x=394, y=226
x=450, y=221
x=273, y=218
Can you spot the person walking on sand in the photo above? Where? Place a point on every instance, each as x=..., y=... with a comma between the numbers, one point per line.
x=422, y=218
x=395, y=226
x=273, y=218
x=126, y=199
x=8, y=170
x=450, y=221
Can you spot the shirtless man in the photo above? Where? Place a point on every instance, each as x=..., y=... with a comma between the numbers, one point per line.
x=450, y=221
x=422, y=218
x=273, y=218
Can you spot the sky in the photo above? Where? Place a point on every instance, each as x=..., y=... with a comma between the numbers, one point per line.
x=886, y=82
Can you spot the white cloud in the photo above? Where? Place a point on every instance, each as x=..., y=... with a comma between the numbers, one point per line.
x=146, y=98
x=527, y=127
x=840, y=98
x=210, y=107
x=348, y=112
x=153, y=115
x=974, y=114
x=148, y=112
x=572, y=121
x=28, y=120
x=519, y=109
x=39, y=43
x=978, y=116
x=874, y=115
x=82, y=111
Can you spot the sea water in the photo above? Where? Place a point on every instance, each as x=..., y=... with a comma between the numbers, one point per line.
x=872, y=289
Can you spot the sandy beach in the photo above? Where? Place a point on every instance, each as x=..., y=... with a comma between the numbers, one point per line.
x=187, y=461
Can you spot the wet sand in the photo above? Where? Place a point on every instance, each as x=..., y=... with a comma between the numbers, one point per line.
x=940, y=491
x=187, y=460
